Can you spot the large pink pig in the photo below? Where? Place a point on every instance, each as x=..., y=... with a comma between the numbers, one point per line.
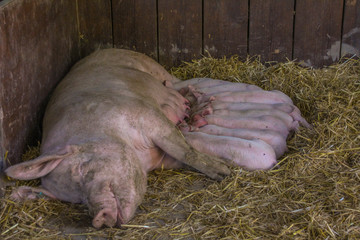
x=108, y=123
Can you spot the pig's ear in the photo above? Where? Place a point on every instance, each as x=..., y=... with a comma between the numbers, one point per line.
x=37, y=167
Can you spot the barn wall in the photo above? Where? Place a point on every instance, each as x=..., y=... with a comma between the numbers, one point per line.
x=316, y=33
x=38, y=44
x=95, y=25
x=40, y=40
x=350, y=44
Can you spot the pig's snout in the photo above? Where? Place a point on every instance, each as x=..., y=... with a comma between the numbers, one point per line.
x=111, y=217
x=107, y=217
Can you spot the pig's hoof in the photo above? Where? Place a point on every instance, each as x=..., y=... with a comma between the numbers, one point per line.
x=213, y=167
x=23, y=193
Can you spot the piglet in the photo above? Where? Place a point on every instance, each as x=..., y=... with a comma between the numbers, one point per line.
x=250, y=154
x=271, y=137
x=241, y=111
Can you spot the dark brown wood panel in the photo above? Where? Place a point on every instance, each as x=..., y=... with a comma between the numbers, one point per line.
x=180, y=31
x=225, y=27
x=318, y=31
x=271, y=29
x=95, y=25
x=38, y=44
x=351, y=29
x=135, y=25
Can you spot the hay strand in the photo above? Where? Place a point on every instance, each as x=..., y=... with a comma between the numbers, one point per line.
x=314, y=194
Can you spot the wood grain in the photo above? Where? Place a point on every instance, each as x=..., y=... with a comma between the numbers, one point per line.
x=225, y=27
x=135, y=25
x=38, y=45
x=351, y=29
x=180, y=31
x=95, y=25
x=318, y=31
x=271, y=29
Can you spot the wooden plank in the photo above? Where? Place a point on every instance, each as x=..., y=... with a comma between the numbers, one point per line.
x=317, y=31
x=95, y=25
x=38, y=44
x=271, y=29
x=351, y=29
x=135, y=25
x=225, y=27
x=180, y=31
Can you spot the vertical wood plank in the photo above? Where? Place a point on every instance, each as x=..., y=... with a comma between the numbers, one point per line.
x=180, y=31
x=225, y=27
x=351, y=29
x=94, y=25
x=317, y=31
x=134, y=25
x=38, y=45
x=271, y=29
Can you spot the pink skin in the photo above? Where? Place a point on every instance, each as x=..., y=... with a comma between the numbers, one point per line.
x=205, y=110
x=261, y=123
x=212, y=86
x=23, y=193
x=249, y=154
x=296, y=114
x=286, y=118
x=76, y=176
x=192, y=95
x=185, y=127
x=106, y=126
x=177, y=106
x=268, y=97
x=135, y=60
x=197, y=108
x=273, y=138
x=199, y=83
x=230, y=87
x=183, y=91
x=292, y=110
x=198, y=121
x=238, y=106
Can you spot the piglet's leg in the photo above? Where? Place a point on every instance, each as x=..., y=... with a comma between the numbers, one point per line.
x=24, y=193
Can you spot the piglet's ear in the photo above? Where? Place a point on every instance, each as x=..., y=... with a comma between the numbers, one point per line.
x=37, y=167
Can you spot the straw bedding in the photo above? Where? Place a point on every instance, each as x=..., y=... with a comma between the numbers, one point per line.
x=314, y=194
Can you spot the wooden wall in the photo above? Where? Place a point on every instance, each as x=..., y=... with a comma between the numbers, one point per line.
x=314, y=32
x=40, y=40
x=38, y=44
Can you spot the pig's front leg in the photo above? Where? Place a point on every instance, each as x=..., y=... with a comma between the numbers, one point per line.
x=23, y=193
x=172, y=142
